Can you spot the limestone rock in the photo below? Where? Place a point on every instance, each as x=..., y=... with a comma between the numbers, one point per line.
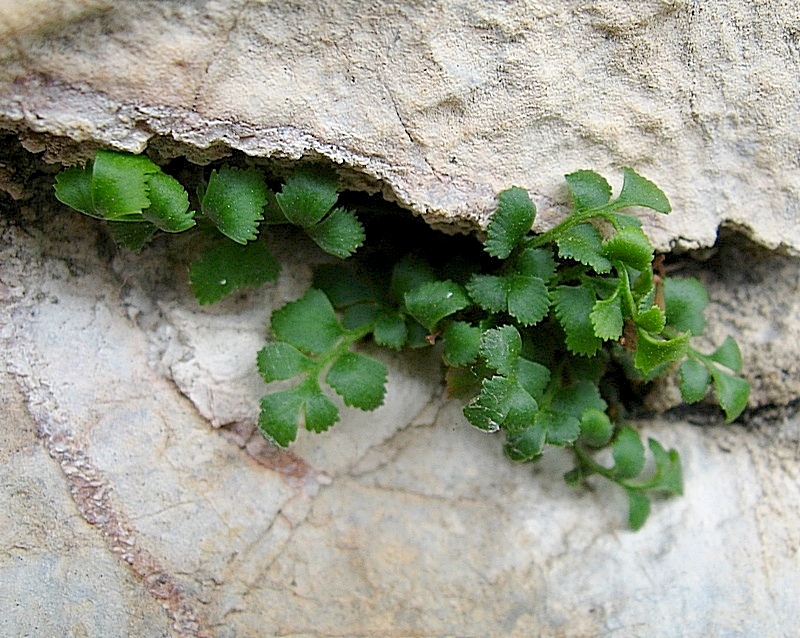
x=136, y=498
x=125, y=513
x=439, y=105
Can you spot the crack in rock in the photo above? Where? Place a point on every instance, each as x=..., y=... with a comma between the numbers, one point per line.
x=92, y=495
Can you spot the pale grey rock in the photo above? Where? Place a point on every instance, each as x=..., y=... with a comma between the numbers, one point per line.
x=440, y=105
x=57, y=576
x=405, y=521
x=136, y=498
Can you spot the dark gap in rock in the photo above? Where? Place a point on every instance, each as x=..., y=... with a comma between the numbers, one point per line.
x=753, y=291
x=733, y=259
x=744, y=278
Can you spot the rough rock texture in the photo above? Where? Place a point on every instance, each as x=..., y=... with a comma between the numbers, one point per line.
x=135, y=499
x=401, y=522
x=439, y=104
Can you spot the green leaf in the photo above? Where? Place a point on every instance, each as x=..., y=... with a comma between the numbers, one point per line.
x=562, y=421
x=559, y=424
x=631, y=246
x=432, y=302
x=729, y=355
x=343, y=286
x=500, y=348
x=524, y=297
x=502, y=402
x=685, y=301
x=732, y=393
x=390, y=330
x=560, y=428
x=639, y=509
x=653, y=320
x=669, y=473
x=340, y=234
x=461, y=343
x=528, y=299
x=362, y=315
x=307, y=196
x=487, y=411
x=525, y=445
x=489, y=292
x=279, y=361
x=410, y=273
x=309, y=323
x=510, y=223
x=280, y=416
x=644, y=288
x=417, y=334
x=596, y=428
x=120, y=184
x=584, y=243
x=131, y=235
x=621, y=220
x=169, y=204
x=320, y=412
x=227, y=267
x=520, y=408
x=126, y=188
x=533, y=377
x=694, y=380
x=606, y=317
x=74, y=188
x=575, y=399
x=638, y=191
x=652, y=352
x=359, y=380
x=589, y=190
x=628, y=453
x=283, y=412
x=588, y=368
x=234, y=201
x=536, y=262
x=646, y=294
x=573, y=306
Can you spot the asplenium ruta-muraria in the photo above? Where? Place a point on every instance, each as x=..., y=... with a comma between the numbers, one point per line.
x=536, y=341
x=534, y=337
x=138, y=199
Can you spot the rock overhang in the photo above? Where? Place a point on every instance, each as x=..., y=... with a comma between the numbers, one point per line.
x=415, y=490
x=439, y=108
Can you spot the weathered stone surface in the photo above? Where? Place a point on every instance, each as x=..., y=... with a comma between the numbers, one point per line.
x=136, y=499
x=439, y=104
x=405, y=521
x=57, y=577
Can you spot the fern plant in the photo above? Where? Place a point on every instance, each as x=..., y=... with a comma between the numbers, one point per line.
x=138, y=199
x=533, y=338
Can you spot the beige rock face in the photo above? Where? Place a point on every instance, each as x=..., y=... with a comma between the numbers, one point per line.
x=137, y=500
x=442, y=104
x=124, y=512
